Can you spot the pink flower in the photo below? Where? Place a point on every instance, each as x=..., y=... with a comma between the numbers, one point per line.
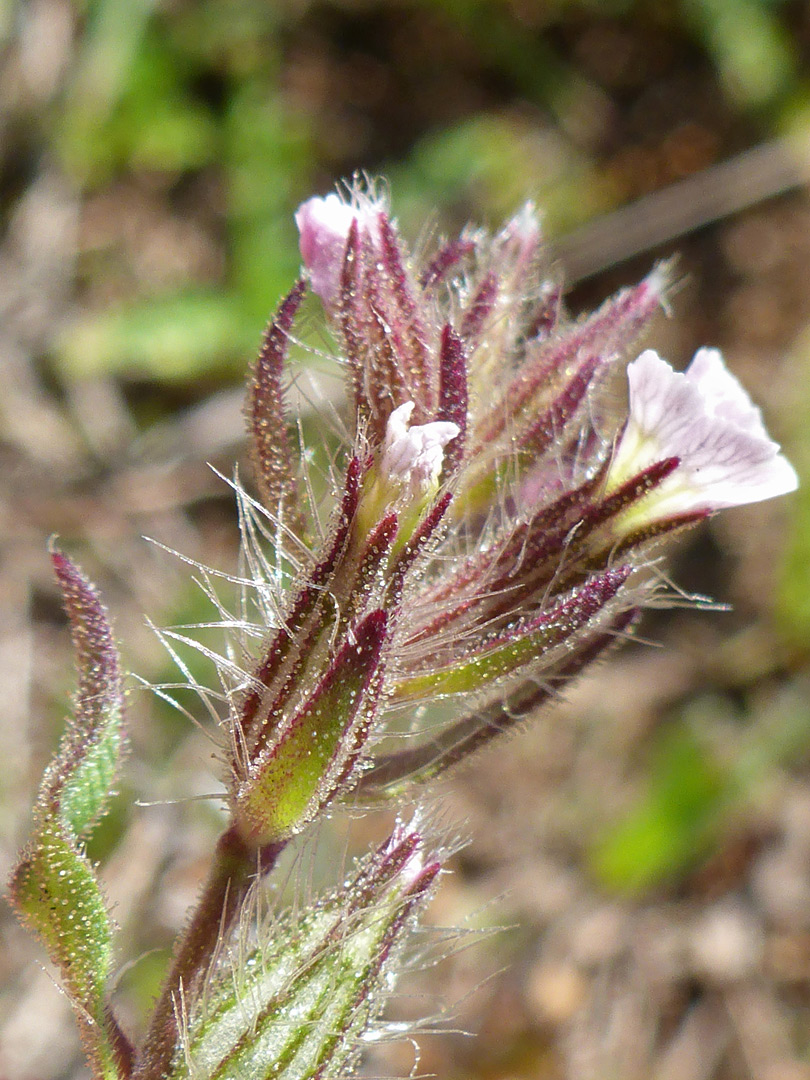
x=323, y=228
x=705, y=419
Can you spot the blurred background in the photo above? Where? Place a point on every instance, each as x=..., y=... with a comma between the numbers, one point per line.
x=646, y=844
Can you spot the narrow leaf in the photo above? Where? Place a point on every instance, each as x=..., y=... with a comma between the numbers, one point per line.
x=522, y=560
x=416, y=546
x=350, y=314
x=79, y=782
x=384, y=372
x=54, y=887
x=426, y=760
x=55, y=890
x=366, y=579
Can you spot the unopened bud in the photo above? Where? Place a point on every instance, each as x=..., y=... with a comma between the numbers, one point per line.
x=323, y=226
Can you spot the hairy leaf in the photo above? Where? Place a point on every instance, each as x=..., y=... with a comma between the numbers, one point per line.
x=54, y=886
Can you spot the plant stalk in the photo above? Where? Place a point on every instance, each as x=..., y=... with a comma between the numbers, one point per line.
x=236, y=866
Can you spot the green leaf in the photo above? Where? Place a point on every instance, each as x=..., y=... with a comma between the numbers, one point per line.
x=56, y=890
x=297, y=1006
x=79, y=783
x=167, y=338
x=54, y=886
x=674, y=824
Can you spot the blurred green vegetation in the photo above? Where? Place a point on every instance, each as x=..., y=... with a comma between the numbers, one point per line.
x=696, y=795
x=253, y=105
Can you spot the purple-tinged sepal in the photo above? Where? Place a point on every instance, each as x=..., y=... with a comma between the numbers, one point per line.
x=447, y=259
x=556, y=425
x=270, y=448
x=531, y=644
x=313, y=757
x=453, y=394
x=307, y=617
x=609, y=333
x=358, y=265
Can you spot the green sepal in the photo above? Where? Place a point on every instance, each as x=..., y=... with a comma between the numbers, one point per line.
x=312, y=759
x=297, y=1006
x=54, y=887
x=505, y=654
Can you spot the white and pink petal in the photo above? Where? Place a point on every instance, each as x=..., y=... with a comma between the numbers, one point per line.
x=413, y=456
x=323, y=229
x=705, y=419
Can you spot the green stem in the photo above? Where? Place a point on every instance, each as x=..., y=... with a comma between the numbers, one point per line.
x=235, y=867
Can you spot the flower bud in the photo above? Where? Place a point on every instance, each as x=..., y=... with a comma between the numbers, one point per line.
x=300, y=1002
x=412, y=456
x=405, y=476
x=324, y=226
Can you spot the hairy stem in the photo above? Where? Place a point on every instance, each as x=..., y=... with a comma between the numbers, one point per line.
x=122, y=1048
x=235, y=867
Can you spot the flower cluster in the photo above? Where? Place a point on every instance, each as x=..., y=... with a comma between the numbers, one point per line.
x=496, y=514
